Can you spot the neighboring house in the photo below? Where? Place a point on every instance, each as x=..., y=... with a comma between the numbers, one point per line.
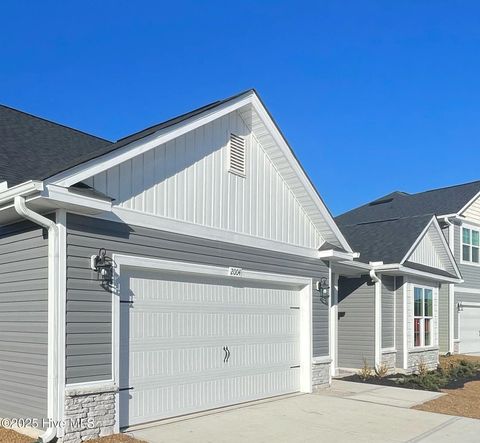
x=182, y=268
x=387, y=301
x=457, y=210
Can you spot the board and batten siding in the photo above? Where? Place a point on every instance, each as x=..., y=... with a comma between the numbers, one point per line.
x=426, y=253
x=23, y=321
x=187, y=179
x=356, y=322
x=470, y=273
x=89, y=305
x=388, y=311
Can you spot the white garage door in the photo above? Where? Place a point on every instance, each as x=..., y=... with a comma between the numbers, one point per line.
x=194, y=343
x=469, y=329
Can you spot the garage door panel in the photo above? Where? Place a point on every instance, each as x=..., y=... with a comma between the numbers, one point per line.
x=173, y=333
x=469, y=329
x=161, y=400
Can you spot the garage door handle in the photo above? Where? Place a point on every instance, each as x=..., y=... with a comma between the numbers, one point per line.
x=226, y=354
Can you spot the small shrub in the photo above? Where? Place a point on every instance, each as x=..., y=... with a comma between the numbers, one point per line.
x=366, y=372
x=382, y=370
x=422, y=368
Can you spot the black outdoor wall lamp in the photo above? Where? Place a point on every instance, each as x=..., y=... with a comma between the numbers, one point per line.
x=323, y=287
x=102, y=264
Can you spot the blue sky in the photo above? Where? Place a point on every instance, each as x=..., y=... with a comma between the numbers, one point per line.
x=373, y=96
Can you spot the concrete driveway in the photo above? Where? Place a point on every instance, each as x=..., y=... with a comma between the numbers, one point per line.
x=344, y=413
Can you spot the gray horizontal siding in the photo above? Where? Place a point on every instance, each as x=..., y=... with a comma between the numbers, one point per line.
x=470, y=273
x=443, y=318
x=356, y=322
x=388, y=311
x=89, y=305
x=23, y=321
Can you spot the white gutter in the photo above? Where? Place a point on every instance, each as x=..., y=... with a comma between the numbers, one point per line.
x=53, y=280
x=22, y=190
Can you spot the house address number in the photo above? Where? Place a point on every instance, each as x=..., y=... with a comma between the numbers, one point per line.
x=235, y=272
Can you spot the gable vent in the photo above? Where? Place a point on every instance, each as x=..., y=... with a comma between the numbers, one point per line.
x=237, y=154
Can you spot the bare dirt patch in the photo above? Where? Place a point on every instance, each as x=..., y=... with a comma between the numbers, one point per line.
x=461, y=401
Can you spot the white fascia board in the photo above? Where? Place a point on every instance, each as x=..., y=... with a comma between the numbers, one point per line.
x=332, y=255
x=398, y=268
x=111, y=159
x=434, y=221
x=3, y=186
x=356, y=265
x=477, y=195
x=283, y=145
x=63, y=195
x=417, y=241
x=142, y=219
x=22, y=189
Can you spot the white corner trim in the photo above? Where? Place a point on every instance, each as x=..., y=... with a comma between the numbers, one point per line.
x=378, y=320
x=306, y=293
x=61, y=220
x=405, y=323
x=333, y=321
x=141, y=219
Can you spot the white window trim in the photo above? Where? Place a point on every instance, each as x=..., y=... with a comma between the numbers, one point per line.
x=306, y=294
x=472, y=228
x=434, y=322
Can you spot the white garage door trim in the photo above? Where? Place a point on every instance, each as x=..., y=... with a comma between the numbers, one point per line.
x=122, y=261
x=464, y=304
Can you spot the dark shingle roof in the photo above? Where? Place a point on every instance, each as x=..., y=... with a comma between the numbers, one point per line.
x=32, y=148
x=387, y=241
x=400, y=204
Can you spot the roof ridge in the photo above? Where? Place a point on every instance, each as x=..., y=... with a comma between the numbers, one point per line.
x=385, y=220
x=54, y=123
x=445, y=187
x=193, y=111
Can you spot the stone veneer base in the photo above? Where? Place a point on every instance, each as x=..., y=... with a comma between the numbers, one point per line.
x=429, y=357
x=320, y=374
x=89, y=412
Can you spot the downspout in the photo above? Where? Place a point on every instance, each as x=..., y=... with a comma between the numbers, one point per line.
x=378, y=313
x=451, y=291
x=53, y=278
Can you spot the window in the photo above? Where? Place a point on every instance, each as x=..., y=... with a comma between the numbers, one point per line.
x=237, y=155
x=423, y=316
x=470, y=245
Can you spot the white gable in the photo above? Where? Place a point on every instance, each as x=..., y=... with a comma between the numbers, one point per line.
x=188, y=179
x=432, y=251
x=472, y=211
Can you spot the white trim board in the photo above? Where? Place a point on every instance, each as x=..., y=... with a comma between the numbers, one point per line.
x=141, y=219
x=291, y=171
x=306, y=293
